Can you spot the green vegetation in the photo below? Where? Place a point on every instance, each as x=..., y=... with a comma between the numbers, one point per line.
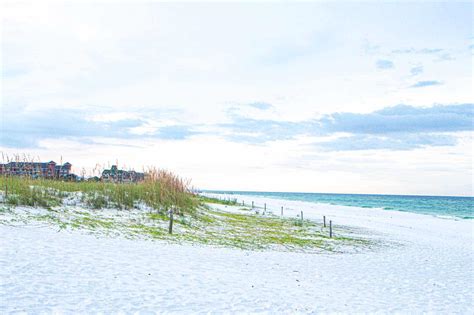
x=161, y=191
x=141, y=210
x=227, y=202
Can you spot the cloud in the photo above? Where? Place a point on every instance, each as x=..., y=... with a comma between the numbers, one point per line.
x=416, y=70
x=177, y=132
x=441, y=54
x=256, y=131
x=400, y=127
x=384, y=64
x=25, y=129
x=369, y=47
x=12, y=72
x=254, y=110
x=427, y=51
x=402, y=118
x=261, y=105
x=426, y=83
x=402, y=141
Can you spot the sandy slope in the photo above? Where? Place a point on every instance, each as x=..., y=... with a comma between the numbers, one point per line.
x=431, y=270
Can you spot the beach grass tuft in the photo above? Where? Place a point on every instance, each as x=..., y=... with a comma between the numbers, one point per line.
x=161, y=191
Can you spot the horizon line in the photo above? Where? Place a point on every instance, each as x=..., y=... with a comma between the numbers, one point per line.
x=334, y=193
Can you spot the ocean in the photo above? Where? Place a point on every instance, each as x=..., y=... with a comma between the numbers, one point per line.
x=456, y=207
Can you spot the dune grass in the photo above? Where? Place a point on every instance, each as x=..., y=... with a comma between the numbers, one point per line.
x=161, y=191
x=227, y=202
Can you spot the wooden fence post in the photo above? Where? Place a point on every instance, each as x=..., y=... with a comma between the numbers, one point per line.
x=330, y=228
x=252, y=205
x=171, y=222
x=281, y=210
x=264, y=208
x=301, y=216
x=324, y=221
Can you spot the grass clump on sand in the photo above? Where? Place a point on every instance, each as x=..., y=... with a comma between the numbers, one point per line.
x=160, y=191
x=227, y=202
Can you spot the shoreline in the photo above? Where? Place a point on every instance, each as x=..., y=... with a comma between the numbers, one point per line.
x=281, y=196
x=349, y=208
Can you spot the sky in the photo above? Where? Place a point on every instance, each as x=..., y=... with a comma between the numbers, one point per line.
x=342, y=97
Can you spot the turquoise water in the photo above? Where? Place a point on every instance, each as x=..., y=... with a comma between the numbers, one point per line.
x=459, y=207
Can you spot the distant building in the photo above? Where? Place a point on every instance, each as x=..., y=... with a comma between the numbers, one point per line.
x=38, y=170
x=115, y=175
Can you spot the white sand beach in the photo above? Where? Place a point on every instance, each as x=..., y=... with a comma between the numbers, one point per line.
x=424, y=265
